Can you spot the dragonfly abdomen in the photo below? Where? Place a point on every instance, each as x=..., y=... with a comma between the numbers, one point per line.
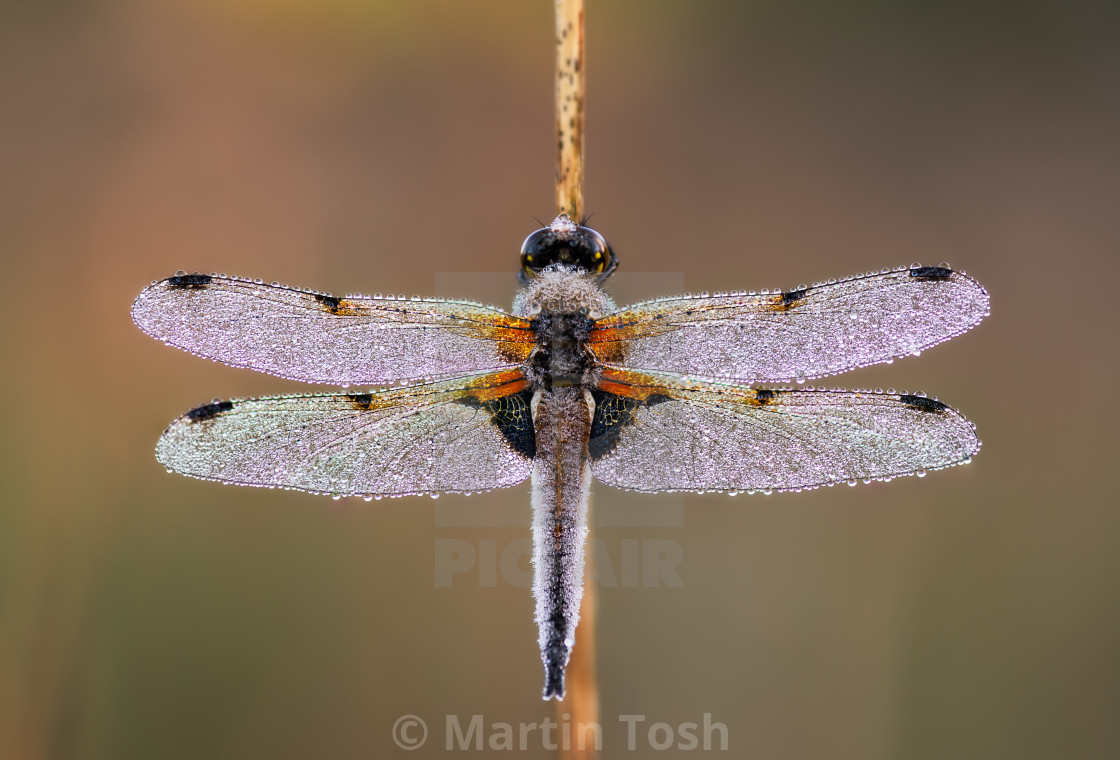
x=561, y=484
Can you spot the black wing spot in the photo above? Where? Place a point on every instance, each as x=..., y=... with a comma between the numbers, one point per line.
x=361, y=401
x=613, y=413
x=209, y=411
x=513, y=416
x=922, y=403
x=792, y=297
x=931, y=273
x=189, y=281
x=331, y=302
x=765, y=396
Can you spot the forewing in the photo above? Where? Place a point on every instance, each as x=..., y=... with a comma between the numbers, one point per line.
x=650, y=434
x=443, y=437
x=804, y=333
x=319, y=338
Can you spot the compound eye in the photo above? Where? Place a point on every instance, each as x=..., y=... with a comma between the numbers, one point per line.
x=601, y=259
x=568, y=244
x=535, y=253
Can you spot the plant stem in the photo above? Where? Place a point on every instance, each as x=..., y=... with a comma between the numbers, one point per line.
x=581, y=705
x=569, y=108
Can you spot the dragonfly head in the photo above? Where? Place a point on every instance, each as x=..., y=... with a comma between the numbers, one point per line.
x=565, y=242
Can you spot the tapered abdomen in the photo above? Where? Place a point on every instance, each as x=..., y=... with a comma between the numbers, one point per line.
x=561, y=484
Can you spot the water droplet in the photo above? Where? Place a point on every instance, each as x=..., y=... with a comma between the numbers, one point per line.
x=434, y=495
x=852, y=483
x=336, y=496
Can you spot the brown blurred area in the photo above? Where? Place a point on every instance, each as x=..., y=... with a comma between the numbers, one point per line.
x=371, y=145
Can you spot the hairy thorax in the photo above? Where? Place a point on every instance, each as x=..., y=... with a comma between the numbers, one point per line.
x=562, y=304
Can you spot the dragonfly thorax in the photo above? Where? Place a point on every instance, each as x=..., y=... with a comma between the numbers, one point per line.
x=561, y=357
x=562, y=304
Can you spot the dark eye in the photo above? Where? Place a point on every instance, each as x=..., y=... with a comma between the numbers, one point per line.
x=564, y=243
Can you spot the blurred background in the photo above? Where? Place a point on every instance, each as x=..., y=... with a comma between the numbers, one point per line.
x=363, y=145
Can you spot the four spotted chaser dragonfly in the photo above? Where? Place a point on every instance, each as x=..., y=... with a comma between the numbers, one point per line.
x=660, y=396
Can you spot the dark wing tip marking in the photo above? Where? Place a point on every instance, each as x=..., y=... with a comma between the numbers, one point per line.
x=331, y=302
x=209, y=411
x=189, y=281
x=922, y=403
x=931, y=273
x=793, y=296
x=765, y=396
x=514, y=419
x=361, y=401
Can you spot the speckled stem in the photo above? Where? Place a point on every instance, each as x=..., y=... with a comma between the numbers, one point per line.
x=569, y=108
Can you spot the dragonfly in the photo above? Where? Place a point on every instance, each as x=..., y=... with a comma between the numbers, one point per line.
x=697, y=392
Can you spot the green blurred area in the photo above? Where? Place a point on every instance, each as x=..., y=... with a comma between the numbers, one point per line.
x=371, y=146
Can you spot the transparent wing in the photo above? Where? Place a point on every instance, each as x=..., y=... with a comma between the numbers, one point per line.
x=649, y=435
x=437, y=437
x=804, y=333
x=323, y=339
